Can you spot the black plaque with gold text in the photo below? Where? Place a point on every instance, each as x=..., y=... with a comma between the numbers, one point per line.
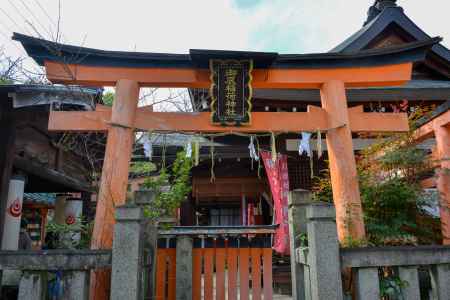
x=231, y=92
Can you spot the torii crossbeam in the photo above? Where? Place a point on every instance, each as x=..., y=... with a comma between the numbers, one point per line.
x=128, y=71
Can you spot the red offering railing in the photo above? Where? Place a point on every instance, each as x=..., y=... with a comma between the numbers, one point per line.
x=227, y=262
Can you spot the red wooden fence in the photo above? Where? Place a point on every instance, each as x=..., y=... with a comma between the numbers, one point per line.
x=233, y=269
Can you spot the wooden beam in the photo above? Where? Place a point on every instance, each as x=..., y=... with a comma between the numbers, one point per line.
x=376, y=122
x=391, y=75
x=315, y=118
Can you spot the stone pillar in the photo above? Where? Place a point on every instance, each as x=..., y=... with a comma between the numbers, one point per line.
x=298, y=201
x=60, y=204
x=11, y=227
x=144, y=198
x=184, y=268
x=440, y=281
x=13, y=214
x=32, y=286
x=410, y=274
x=76, y=285
x=127, y=253
x=367, y=284
x=344, y=177
x=442, y=134
x=323, y=252
x=73, y=209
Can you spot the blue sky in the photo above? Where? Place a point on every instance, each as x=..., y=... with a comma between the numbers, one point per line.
x=285, y=26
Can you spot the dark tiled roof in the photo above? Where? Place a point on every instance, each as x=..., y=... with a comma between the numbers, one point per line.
x=388, y=16
x=441, y=109
x=41, y=50
x=40, y=198
x=40, y=94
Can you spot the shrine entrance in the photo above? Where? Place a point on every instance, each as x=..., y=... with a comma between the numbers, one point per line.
x=231, y=76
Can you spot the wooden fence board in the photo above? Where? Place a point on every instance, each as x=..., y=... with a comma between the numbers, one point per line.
x=172, y=259
x=161, y=257
x=243, y=273
x=197, y=256
x=256, y=273
x=208, y=277
x=232, y=266
x=267, y=273
x=220, y=273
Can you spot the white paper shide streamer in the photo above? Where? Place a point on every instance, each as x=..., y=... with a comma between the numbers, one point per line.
x=189, y=149
x=252, y=150
x=148, y=146
x=304, y=145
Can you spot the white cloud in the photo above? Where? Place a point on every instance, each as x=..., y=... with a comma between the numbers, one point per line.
x=176, y=26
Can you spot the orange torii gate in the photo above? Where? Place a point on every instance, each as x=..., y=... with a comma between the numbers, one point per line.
x=438, y=125
x=128, y=71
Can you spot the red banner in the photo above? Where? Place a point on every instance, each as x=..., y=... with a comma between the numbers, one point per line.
x=277, y=173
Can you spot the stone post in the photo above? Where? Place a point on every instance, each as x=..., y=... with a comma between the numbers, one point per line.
x=32, y=286
x=367, y=284
x=440, y=281
x=184, y=268
x=60, y=204
x=143, y=198
x=127, y=253
x=13, y=213
x=410, y=274
x=323, y=254
x=73, y=209
x=11, y=228
x=298, y=200
x=76, y=285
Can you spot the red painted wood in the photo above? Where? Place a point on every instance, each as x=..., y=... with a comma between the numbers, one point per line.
x=220, y=273
x=256, y=273
x=172, y=259
x=161, y=256
x=267, y=271
x=208, y=277
x=197, y=256
x=232, y=266
x=244, y=254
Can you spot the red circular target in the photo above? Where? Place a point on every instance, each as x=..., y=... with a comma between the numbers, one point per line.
x=15, y=209
x=70, y=220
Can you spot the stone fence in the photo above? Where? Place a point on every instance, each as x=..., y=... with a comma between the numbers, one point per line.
x=317, y=267
x=74, y=266
x=130, y=261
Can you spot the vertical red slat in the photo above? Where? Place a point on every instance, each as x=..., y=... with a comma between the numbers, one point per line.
x=208, y=279
x=196, y=274
x=256, y=273
x=172, y=258
x=232, y=254
x=267, y=271
x=161, y=274
x=220, y=273
x=243, y=273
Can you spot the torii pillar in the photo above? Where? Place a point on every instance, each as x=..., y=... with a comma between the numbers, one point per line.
x=114, y=179
x=440, y=128
x=344, y=177
x=442, y=134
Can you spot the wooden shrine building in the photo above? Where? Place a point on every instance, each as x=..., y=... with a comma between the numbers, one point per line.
x=358, y=87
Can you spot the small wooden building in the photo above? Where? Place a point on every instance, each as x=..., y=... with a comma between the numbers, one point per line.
x=27, y=148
